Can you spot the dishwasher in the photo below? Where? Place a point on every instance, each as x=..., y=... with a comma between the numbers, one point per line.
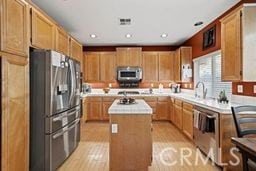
x=207, y=141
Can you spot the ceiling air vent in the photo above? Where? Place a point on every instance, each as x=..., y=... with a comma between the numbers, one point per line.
x=125, y=21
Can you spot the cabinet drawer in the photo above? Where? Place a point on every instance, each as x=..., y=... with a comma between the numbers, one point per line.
x=178, y=102
x=187, y=106
x=163, y=99
x=94, y=99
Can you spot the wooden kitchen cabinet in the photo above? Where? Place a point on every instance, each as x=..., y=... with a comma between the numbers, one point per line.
x=178, y=113
x=14, y=27
x=128, y=56
x=94, y=108
x=85, y=110
x=92, y=67
x=15, y=113
x=43, y=31
x=187, y=119
x=166, y=66
x=76, y=50
x=106, y=103
x=237, y=45
x=183, y=56
x=62, y=41
x=152, y=102
x=171, y=110
x=162, y=108
x=107, y=67
x=150, y=66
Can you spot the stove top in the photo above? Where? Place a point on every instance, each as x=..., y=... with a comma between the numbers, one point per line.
x=128, y=92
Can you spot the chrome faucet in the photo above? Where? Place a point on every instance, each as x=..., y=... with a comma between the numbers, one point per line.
x=204, y=89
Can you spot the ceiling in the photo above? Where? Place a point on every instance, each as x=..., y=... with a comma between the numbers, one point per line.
x=150, y=19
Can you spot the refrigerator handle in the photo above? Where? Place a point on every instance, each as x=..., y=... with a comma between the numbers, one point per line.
x=65, y=130
x=72, y=73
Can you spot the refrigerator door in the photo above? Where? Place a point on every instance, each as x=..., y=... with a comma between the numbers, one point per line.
x=56, y=122
x=74, y=73
x=58, y=92
x=61, y=144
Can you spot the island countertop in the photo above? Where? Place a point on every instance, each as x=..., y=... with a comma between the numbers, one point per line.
x=140, y=107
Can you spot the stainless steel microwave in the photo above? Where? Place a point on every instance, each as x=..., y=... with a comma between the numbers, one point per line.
x=129, y=73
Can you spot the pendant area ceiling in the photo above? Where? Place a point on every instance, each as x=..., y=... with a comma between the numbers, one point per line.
x=149, y=19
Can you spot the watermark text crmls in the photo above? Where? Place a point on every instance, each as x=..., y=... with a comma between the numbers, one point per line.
x=182, y=156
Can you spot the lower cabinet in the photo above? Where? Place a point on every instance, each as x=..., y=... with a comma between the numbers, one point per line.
x=106, y=103
x=14, y=113
x=187, y=122
x=152, y=102
x=162, y=108
x=178, y=113
x=171, y=111
x=94, y=108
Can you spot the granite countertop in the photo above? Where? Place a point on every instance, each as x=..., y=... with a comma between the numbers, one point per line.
x=140, y=107
x=210, y=104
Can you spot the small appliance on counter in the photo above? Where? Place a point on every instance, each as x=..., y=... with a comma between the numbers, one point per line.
x=86, y=88
x=175, y=88
x=129, y=77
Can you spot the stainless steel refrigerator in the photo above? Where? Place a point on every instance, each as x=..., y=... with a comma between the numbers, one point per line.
x=54, y=109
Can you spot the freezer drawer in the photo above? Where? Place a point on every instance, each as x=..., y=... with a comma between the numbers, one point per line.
x=56, y=122
x=61, y=144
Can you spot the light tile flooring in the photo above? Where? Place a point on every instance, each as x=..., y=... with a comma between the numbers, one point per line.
x=92, y=152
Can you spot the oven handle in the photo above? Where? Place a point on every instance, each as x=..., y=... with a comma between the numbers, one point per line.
x=208, y=116
x=65, y=130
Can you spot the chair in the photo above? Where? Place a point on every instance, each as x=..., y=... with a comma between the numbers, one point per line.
x=249, y=118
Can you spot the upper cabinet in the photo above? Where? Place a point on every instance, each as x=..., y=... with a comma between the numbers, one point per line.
x=150, y=66
x=14, y=27
x=166, y=63
x=43, y=31
x=107, y=66
x=183, y=64
x=76, y=50
x=128, y=56
x=62, y=41
x=99, y=67
x=158, y=66
x=238, y=32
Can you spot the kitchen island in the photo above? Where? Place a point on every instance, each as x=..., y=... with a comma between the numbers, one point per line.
x=130, y=136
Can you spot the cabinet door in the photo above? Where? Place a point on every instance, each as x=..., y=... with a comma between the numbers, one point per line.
x=178, y=116
x=107, y=67
x=105, y=106
x=122, y=57
x=15, y=113
x=14, y=27
x=62, y=41
x=43, y=31
x=92, y=64
x=85, y=110
x=162, y=110
x=76, y=50
x=150, y=66
x=94, y=110
x=177, y=63
x=134, y=56
x=231, y=48
x=171, y=110
x=188, y=122
x=166, y=66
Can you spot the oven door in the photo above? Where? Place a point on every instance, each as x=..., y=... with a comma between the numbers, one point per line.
x=61, y=144
x=127, y=75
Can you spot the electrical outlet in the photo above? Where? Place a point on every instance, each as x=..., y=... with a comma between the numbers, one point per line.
x=240, y=88
x=254, y=89
x=114, y=128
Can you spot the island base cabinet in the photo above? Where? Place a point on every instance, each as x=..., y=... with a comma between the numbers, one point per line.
x=131, y=145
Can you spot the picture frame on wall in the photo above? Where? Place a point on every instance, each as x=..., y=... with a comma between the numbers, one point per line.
x=209, y=38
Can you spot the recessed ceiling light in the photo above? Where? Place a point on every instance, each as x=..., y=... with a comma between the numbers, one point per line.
x=198, y=23
x=93, y=36
x=128, y=36
x=164, y=35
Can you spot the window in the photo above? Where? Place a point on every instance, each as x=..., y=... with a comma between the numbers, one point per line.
x=208, y=70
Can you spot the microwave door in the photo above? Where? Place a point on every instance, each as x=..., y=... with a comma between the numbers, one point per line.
x=59, y=84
